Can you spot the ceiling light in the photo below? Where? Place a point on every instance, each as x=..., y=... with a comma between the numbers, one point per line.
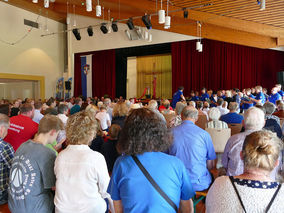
x=167, y=22
x=147, y=22
x=46, y=3
x=35, y=1
x=114, y=26
x=89, y=5
x=98, y=10
x=161, y=14
x=90, y=31
x=262, y=4
x=200, y=48
x=198, y=45
x=76, y=34
x=130, y=24
x=104, y=28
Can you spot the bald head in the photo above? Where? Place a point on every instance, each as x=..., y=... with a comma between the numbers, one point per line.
x=189, y=113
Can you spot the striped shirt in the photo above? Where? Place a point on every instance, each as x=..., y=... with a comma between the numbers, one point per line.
x=217, y=124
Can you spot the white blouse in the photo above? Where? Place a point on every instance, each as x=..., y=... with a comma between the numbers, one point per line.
x=81, y=181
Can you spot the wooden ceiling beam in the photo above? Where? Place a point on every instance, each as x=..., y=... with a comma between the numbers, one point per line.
x=280, y=42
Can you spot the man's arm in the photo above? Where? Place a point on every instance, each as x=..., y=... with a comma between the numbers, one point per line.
x=186, y=206
x=118, y=206
x=210, y=164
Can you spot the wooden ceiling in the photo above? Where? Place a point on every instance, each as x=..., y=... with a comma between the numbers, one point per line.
x=233, y=21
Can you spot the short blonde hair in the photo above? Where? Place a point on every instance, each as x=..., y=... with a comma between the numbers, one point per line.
x=80, y=127
x=120, y=109
x=261, y=150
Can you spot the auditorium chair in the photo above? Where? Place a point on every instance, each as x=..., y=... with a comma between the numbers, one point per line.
x=235, y=128
x=201, y=121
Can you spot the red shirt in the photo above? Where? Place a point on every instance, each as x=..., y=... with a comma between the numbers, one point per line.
x=22, y=128
x=162, y=107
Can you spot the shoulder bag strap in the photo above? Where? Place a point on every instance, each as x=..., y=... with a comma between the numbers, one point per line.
x=273, y=197
x=235, y=188
x=154, y=184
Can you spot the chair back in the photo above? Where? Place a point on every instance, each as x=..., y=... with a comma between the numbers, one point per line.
x=235, y=128
x=219, y=138
x=201, y=121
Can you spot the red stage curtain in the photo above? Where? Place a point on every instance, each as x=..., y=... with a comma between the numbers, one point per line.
x=103, y=73
x=223, y=66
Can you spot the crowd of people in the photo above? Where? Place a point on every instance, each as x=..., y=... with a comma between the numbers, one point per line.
x=101, y=155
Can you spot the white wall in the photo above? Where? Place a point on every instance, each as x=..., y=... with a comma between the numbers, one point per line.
x=34, y=55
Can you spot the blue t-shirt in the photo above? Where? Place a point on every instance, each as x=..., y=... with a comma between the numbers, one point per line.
x=129, y=184
x=260, y=96
x=246, y=106
x=194, y=98
x=232, y=118
x=76, y=108
x=176, y=98
x=281, y=93
x=204, y=96
x=273, y=98
x=193, y=146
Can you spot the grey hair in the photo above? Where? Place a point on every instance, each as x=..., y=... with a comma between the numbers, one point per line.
x=189, y=112
x=192, y=103
x=4, y=120
x=233, y=106
x=254, y=119
x=214, y=114
x=152, y=104
x=269, y=108
x=179, y=107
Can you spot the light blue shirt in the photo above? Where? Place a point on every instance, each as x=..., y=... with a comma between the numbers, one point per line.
x=231, y=158
x=37, y=116
x=129, y=184
x=194, y=147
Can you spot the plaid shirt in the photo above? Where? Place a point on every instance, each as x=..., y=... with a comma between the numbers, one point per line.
x=6, y=156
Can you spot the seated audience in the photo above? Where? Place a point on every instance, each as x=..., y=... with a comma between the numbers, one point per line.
x=194, y=147
x=119, y=113
x=214, y=123
x=144, y=138
x=165, y=106
x=232, y=117
x=37, y=114
x=104, y=118
x=62, y=113
x=236, y=98
x=193, y=97
x=32, y=172
x=206, y=107
x=153, y=106
x=7, y=154
x=98, y=141
x=272, y=122
x=231, y=160
x=5, y=109
x=77, y=106
x=199, y=107
x=107, y=103
x=108, y=149
x=280, y=111
x=223, y=110
x=81, y=174
x=253, y=190
x=178, y=110
x=275, y=96
x=192, y=104
x=204, y=95
x=170, y=119
x=22, y=127
x=15, y=108
x=228, y=96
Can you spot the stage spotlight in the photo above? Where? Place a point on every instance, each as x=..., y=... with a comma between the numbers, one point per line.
x=104, y=28
x=98, y=10
x=147, y=22
x=89, y=7
x=114, y=26
x=35, y=1
x=130, y=24
x=46, y=3
x=185, y=13
x=76, y=34
x=262, y=4
x=90, y=31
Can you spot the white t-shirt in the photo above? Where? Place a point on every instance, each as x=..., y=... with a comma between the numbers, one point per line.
x=81, y=181
x=63, y=118
x=104, y=118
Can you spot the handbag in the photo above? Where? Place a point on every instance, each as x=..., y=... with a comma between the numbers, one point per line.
x=153, y=182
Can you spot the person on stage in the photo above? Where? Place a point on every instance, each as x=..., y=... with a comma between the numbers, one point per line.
x=178, y=96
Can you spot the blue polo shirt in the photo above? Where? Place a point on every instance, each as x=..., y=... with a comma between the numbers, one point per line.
x=260, y=96
x=273, y=98
x=246, y=106
x=204, y=96
x=281, y=93
x=76, y=108
x=232, y=118
x=194, y=98
x=176, y=98
x=193, y=146
x=129, y=184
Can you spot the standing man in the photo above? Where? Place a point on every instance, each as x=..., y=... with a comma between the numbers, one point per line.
x=194, y=147
x=32, y=172
x=274, y=96
x=178, y=96
x=22, y=127
x=6, y=156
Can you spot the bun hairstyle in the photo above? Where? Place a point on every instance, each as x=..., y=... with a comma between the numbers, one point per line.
x=261, y=149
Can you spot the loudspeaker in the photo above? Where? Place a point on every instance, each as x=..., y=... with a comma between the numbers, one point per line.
x=67, y=85
x=280, y=78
